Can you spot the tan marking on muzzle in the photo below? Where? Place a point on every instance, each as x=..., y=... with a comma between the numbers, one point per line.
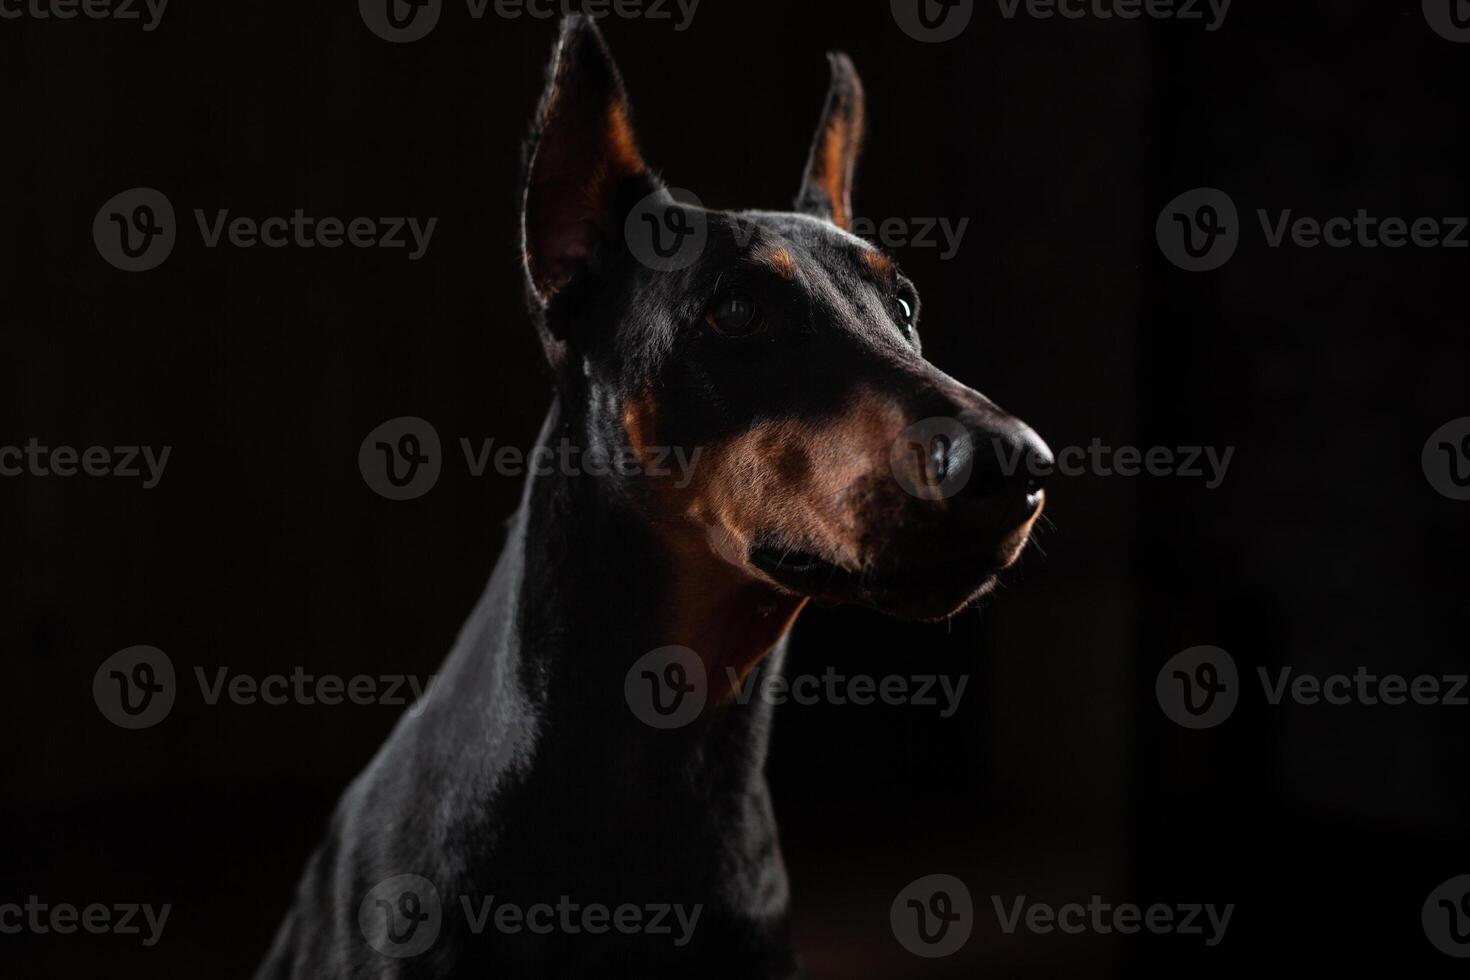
x=796, y=480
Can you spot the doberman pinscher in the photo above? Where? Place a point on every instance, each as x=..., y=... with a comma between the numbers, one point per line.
x=523, y=821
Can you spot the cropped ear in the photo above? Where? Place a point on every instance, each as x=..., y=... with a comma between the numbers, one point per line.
x=581, y=154
x=826, y=191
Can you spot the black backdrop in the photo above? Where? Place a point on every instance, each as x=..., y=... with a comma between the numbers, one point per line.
x=263, y=550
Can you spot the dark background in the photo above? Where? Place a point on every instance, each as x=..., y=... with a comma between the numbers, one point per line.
x=263, y=549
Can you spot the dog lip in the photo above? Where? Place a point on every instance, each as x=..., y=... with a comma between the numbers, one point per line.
x=788, y=560
x=912, y=589
x=802, y=571
x=927, y=605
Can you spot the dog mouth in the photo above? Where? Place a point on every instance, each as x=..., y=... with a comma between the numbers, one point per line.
x=926, y=584
x=912, y=593
x=805, y=573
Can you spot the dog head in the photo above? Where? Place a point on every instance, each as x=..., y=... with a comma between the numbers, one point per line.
x=833, y=461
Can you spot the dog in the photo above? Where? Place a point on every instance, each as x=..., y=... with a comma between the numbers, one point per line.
x=525, y=820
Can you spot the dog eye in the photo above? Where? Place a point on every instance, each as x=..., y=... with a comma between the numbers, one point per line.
x=907, y=315
x=735, y=314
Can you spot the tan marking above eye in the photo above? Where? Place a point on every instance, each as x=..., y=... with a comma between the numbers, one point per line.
x=878, y=264
x=777, y=259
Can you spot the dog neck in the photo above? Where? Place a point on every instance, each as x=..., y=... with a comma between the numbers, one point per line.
x=596, y=559
x=584, y=589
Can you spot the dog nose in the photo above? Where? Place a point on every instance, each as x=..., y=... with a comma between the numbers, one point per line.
x=1008, y=462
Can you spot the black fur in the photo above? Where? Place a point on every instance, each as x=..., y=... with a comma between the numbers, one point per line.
x=523, y=775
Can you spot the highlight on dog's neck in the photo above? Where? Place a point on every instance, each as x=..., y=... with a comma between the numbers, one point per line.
x=731, y=620
x=648, y=574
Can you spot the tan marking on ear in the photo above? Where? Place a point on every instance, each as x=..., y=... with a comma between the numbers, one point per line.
x=569, y=196
x=827, y=185
x=836, y=162
x=878, y=264
x=778, y=259
x=620, y=161
x=624, y=160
